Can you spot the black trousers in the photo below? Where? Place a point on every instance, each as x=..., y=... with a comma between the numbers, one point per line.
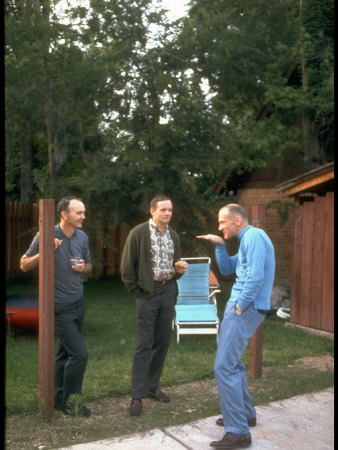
x=72, y=355
x=154, y=326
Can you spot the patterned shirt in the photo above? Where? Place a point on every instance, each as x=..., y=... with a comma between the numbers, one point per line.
x=162, y=252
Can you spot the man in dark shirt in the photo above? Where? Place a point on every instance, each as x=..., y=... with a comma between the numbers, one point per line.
x=148, y=270
x=70, y=242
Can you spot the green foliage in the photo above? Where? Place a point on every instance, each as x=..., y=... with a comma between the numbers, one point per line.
x=75, y=404
x=318, y=23
x=283, y=209
x=243, y=48
x=95, y=108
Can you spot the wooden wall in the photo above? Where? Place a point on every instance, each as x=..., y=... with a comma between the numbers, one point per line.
x=22, y=223
x=281, y=236
x=312, y=282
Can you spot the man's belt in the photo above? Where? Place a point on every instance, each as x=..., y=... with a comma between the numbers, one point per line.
x=163, y=282
x=263, y=311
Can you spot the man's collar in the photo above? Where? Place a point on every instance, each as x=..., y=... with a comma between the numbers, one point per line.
x=153, y=224
x=243, y=230
x=61, y=230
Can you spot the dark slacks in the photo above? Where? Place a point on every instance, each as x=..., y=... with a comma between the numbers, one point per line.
x=72, y=355
x=154, y=326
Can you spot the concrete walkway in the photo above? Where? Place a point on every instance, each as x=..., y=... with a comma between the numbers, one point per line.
x=301, y=422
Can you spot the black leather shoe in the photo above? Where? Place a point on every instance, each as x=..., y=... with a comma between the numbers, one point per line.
x=85, y=412
x=135, y=408
x=158, y=395
x=251, y=422
x=232, y=440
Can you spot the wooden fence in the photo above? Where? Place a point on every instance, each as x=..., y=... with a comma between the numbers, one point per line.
x=22, y=223
x=312, y=281
x=107, y=252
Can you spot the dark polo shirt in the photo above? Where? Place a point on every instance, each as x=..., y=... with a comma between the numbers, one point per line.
x=68, y=284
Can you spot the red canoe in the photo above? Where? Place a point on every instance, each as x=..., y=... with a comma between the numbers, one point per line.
x=22, y=311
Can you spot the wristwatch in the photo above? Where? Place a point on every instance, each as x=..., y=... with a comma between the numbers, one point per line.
x=238, y=310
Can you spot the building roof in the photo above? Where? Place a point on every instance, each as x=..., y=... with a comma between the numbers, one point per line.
x=316, y=181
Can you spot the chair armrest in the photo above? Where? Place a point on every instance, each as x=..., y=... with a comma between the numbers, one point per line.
x=216, y=291
x=212, y=296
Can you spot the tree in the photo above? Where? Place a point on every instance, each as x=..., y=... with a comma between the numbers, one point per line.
x=317, y=22
x=246, y=50
x=62, y=86
x=24, y=78
x=93, y=107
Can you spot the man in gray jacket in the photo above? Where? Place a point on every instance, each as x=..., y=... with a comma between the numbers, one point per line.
x=148, y=270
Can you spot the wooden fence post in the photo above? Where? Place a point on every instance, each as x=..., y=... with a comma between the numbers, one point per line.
x=46, y=308
x=256, y=341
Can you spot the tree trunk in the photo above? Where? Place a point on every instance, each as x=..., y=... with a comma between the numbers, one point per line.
x=26, y=182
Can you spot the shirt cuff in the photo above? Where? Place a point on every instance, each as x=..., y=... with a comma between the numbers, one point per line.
x=243, y=303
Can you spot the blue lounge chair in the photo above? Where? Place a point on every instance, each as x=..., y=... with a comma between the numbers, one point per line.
x=196, y=308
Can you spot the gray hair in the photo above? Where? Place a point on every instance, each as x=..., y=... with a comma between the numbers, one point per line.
x=236, y=210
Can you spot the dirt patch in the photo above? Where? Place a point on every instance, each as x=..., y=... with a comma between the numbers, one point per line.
x=323, y=362
x=191, y=400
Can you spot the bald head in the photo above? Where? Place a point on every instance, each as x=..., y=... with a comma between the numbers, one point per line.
x=232, y=218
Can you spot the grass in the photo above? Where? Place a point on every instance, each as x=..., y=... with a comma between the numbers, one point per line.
x=109, y=332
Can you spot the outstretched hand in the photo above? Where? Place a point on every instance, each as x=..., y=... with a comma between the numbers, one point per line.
x=213, y=238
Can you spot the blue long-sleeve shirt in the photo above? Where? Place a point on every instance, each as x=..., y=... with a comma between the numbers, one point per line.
x=254, y=265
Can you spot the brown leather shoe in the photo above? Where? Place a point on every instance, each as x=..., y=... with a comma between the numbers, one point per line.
x=251, y=422
x=158, y=395
x=135, y=408
x=232, y=440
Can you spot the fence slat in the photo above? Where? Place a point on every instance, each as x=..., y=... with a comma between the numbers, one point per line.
x=21, y=226
x=19, y=230
x=317, y=263
x=124, y=231
x=327, y=322
x=8, y=238
x=296, y=266
x=111, y=252
x=306, y=261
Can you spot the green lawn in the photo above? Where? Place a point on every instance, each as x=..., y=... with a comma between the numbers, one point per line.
x=109, y=332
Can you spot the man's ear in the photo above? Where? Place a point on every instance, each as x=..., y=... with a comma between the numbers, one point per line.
x=238, y=220
x=64, y=215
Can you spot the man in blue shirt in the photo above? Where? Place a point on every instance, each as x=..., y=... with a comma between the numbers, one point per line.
x=254, y=265
x=69, y=305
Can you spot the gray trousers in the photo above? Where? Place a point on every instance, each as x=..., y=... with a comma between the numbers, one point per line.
x=154, y=326
x=72, y=355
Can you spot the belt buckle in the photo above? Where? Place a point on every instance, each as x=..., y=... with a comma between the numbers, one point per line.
x=164, y=282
